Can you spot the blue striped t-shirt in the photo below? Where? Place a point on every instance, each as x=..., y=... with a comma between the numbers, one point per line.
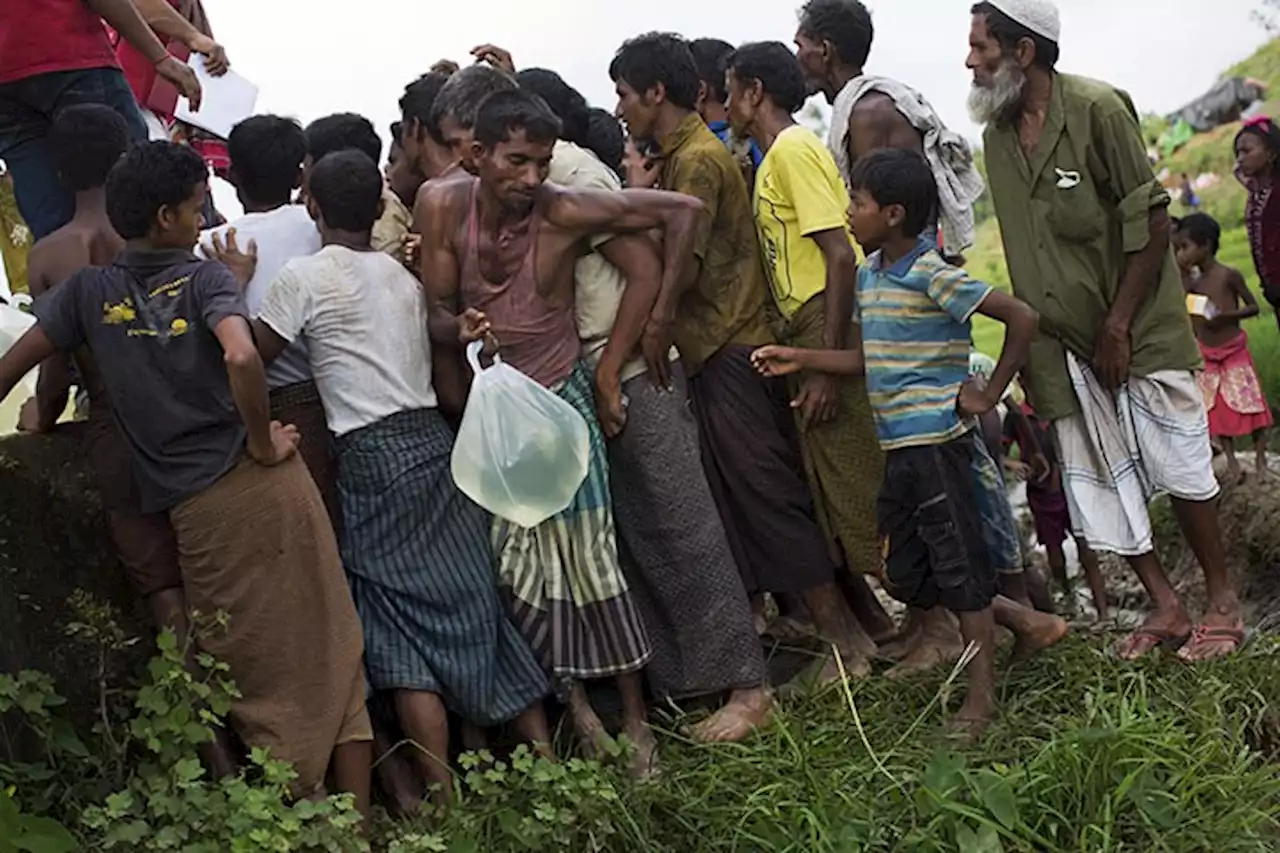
x=916, y=338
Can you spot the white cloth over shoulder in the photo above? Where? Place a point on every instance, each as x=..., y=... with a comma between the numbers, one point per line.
x=948, y=153
x=1124, y=448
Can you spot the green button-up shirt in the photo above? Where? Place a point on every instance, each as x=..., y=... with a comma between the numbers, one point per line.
x=730, y=302
x=1069, y=215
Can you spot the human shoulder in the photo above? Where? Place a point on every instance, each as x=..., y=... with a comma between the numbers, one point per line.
x=574, y=166
x=1099, y=99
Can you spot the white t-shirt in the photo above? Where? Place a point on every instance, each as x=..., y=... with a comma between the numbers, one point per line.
x=364, y=319
x=282, y=235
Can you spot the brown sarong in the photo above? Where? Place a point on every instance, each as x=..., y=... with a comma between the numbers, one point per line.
x=753, y=468
x=300, y=405
x=257, y=546
x=144, y=542
x=842, y=458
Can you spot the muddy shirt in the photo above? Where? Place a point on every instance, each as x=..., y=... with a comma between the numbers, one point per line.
x=148, y=319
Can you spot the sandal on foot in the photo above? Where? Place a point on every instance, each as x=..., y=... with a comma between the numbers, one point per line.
x=1211, y=635
x=1144, y=641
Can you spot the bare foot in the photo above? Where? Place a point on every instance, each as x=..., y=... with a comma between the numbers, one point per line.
x=644, y=762
x=1048, y=631
x=593, y=738
x=932, y=651
x=746, y=711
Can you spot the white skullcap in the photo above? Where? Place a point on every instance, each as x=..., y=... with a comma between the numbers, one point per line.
x=1039, y=16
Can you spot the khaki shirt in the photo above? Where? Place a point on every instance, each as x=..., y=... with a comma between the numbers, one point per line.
x=598, y=285
x=730, y=302
x=1069, y=215
x=390, y=229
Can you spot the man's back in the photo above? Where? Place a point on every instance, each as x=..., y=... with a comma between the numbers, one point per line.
x=363, y=317
x=729, y=302
x=149, y=320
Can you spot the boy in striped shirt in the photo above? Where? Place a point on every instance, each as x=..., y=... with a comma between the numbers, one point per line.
x=914, y=311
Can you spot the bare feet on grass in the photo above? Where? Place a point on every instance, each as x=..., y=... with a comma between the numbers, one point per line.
x=972, y=720
x=746, y=711
x=644, y=761
x=1046, y=632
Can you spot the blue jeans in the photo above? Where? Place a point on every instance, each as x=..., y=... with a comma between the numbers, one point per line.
x=27, y=108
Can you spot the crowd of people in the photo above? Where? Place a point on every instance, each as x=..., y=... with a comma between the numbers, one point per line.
x=767, y=333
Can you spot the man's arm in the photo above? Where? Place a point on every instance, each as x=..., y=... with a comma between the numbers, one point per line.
x=438, y=265
x=165, y=20
x=124, y=18
x=875, y=123
x=637, y=259
x=677, y=214
x=842, y=270
x=1142, y=208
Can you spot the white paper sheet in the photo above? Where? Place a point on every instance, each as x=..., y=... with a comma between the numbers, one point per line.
x=227, y=100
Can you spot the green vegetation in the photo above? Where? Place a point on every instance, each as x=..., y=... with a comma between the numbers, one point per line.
x=1089, y=755
x=1208, y=153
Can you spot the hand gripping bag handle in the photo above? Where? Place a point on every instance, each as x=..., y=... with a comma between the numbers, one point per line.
x=473, y=357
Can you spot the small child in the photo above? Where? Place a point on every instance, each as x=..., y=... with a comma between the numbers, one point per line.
x=1232, y=391
x=915, y=312
x=1048, y=503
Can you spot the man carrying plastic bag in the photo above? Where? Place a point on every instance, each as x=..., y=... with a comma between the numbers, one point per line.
x=503, y=248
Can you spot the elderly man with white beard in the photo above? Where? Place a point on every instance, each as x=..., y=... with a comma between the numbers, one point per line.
x=1086, y=229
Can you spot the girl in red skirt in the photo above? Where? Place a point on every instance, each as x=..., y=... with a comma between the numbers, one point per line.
x=1219, y=300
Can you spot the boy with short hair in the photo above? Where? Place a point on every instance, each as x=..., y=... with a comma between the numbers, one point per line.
x=915, y=311
x=171, y=337
x=1230, y=384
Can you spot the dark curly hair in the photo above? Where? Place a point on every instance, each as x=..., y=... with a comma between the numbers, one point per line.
x=86, y=141
x=343, y=132
x=266, y=154
x=151, y=176
x=844, y=23
x=645, y=61
x=777, y=69
x=347, y=187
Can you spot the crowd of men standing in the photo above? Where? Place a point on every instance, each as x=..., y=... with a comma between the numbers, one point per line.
x=272, y=402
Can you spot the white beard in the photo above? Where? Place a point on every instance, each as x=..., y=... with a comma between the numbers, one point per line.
x=991, y=103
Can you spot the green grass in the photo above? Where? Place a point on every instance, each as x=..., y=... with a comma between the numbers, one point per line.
x=1088, y=756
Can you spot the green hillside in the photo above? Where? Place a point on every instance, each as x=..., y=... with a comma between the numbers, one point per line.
x=1206, y=153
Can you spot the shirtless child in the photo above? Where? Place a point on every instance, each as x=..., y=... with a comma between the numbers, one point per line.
x=1232, y=391
x=498, y=256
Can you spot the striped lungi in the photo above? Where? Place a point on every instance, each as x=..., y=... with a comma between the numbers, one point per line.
x=257, y=546
x=1123, y=448
x=842, y=458
x=567, y=590
x=416, y=551
x=675, y=551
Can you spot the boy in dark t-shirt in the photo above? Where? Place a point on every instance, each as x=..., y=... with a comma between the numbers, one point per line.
x=170, y=335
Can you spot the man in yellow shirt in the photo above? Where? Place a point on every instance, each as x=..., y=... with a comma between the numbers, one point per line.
x=800, y=204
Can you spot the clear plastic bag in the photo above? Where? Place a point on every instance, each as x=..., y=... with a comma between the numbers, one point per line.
x=522, y=451
x=14, y=323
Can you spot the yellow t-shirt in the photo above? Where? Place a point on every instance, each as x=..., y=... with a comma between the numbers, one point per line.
x=798, y=193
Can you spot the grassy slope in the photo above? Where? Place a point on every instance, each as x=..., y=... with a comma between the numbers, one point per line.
x=1205, y=153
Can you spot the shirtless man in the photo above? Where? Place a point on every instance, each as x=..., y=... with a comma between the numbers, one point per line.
x=1232, y=390
x=869, y=112
x=490, y=241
